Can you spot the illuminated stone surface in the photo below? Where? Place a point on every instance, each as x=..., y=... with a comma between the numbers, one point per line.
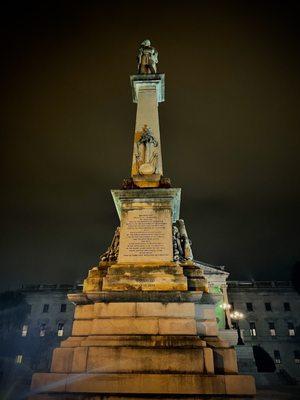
x=145, y=323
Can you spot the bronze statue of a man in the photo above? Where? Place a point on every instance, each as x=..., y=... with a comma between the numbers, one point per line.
x=147, y=58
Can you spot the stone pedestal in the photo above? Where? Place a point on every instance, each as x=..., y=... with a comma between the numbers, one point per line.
x=145, y=258
x=145, y=277
x=122, y=346
x=145, y=325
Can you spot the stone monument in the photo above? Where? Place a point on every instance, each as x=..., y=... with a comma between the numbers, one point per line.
x=145, y=323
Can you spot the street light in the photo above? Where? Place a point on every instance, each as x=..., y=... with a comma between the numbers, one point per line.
x=237, y=316
x=226, y=307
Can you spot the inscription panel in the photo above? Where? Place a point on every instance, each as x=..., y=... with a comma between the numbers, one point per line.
x=146, y=236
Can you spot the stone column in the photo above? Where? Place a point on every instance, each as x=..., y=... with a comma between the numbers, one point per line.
x=148, y=92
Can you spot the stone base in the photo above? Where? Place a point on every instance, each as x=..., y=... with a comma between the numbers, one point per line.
x=158, y=384
x=195, y=277
x=94, y=280
x=143, y=348
x=147, y=181
x=171, y=276
x=145, y=277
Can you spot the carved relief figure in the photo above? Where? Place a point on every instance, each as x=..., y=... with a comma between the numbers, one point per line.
x=146, y=157
x=177, y=249
x=112, y=252
x=182, y=249
x=147, y=58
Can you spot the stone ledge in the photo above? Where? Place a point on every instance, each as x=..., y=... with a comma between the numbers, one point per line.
x=163, y=384
x=170, y=196
x=153, y=341
x=201, y=312
x=140, y=296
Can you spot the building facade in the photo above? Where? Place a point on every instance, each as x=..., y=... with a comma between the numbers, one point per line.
x=34, y=320
x=271, y=322
x=271, y=325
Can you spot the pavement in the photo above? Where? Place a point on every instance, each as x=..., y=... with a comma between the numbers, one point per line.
x=279, y=393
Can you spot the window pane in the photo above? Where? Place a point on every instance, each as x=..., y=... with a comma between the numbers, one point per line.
x=268, y=307
x=63, y=308
x=277, y=357
x=291, y=329
x=60, y=329
x=252, y=329
x=19, y=359
x=249, y=306
x=45, y=308
x=272, y=329
x=24, y=330
x=42, y=330
x=286, y=306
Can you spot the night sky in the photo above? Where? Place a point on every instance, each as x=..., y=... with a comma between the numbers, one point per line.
x=230, y=130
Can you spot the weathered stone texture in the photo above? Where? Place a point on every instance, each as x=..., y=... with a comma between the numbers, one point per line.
x=122, y=359
x=163, y=384
x=62, y=360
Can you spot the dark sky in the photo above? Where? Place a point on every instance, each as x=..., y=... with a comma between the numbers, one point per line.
x=230, y=130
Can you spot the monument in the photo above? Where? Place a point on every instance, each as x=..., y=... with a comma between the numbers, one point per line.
x=145, y=323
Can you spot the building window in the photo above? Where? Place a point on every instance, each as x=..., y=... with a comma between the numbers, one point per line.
x=277, y=357
x=252, y=329
x=286, y=306
x=45, y=308
x=60, y=329
x=291, y=329
x=297, y=356
x=63, y=308
x=42, y=330
x=24, y=330
x=272, y=329
x=19, y=359
x=268, y=307
x=249, y=306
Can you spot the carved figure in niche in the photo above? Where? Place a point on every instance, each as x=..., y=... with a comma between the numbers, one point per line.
x=177, y=249
x=146, y=157
x=182, y=249
x=112, y=252
x=147, y=58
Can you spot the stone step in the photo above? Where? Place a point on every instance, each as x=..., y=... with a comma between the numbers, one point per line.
x=158, y=341
x=162, y=384
x=131, y=359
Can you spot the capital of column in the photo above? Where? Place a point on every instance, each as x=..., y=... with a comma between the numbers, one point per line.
x=147, y=81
